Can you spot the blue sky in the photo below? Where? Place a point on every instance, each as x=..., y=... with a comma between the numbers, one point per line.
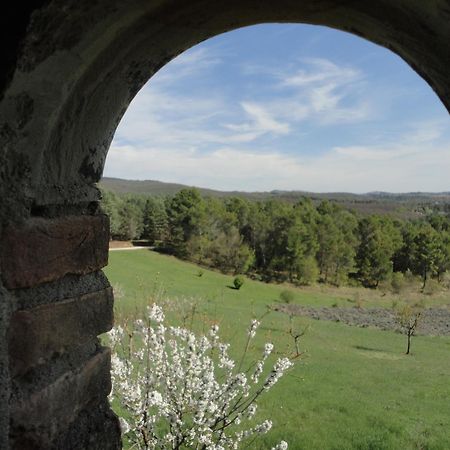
x=294, y=107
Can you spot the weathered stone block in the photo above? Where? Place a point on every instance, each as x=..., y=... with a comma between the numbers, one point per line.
x=44, y=250
x=36, y=335
x=95, y=428
x=5, y=301
x=39, y=418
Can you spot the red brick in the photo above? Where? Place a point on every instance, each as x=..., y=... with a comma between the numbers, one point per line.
x=36, y=335
x=44, y=250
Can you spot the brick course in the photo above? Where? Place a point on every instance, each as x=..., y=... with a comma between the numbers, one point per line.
x=39, y=334
x=38, y=419
x=43, y=250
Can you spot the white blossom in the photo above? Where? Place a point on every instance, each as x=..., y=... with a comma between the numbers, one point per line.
x=253, y=327
x=167, y=378
x=281, y=446
x=264, y=427
x=155, y=313
x=251, y=410
x=124, y=425
x=278, y=370
x=268, y=347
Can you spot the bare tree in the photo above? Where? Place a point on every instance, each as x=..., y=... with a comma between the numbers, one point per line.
x=296, y=334
x=408, y=316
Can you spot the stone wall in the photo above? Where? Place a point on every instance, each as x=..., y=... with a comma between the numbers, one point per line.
x=60, y=302
x=69, y=69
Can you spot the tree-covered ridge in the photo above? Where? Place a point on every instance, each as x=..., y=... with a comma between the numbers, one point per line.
x=408, y=205
x=277, y=240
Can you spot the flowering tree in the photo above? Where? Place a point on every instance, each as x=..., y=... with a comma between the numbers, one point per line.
x=184, y=391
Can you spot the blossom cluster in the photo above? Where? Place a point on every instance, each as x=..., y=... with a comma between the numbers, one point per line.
x=180, y=390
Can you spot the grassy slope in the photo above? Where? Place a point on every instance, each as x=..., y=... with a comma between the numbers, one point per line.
x=354, y=389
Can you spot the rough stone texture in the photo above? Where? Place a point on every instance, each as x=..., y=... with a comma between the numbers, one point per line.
x=59, y=290
x=69, y=71
x=38, y=419
x=43, y=250
x=5, y=304
x=81, y=63
x=44, y=332
x=95, y=429
x=40, y=377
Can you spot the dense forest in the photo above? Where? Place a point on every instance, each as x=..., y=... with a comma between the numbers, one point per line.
x=300, y=242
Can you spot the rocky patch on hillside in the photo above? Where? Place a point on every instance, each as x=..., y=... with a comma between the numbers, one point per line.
x=433, y=322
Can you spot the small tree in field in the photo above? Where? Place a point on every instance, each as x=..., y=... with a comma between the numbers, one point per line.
x=287, y=296
x=238, y=282
x=408, y=316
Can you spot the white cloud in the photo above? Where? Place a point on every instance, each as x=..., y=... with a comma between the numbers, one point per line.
x=195, y=61
x=316, y=90
x=399, y=166
x=158, y=117
x=321, y=71
x=164, y=114
x=330, y=93
x=428, y=131
x=262, y=121
x=204, y=138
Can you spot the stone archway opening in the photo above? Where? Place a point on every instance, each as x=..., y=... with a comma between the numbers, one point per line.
x=218, y=109
x=71, y=70
x=123, y=158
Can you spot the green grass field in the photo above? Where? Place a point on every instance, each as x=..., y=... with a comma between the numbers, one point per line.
x=353, y=389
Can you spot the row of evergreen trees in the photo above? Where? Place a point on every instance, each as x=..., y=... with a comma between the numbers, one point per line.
x=300, y=242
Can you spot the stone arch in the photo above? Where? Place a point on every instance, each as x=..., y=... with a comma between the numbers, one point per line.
x=70, y=72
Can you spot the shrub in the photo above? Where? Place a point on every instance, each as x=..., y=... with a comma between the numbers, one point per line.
x=238, y=282
x=385, y=286
x=432, y=287
x=287, y=296
x=445, y=280
x=307, y=271
x=398, y=282
x=359, y=301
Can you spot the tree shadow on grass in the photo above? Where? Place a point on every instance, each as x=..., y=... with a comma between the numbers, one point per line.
x=368, y=349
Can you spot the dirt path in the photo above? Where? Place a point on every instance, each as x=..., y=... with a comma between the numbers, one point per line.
x=116, y=249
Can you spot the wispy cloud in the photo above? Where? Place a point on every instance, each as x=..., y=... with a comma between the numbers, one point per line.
x=198, y=60
x=398, y=166
x=157, y=117
x=321, y=71
x=318, y=90
x=330, y=93
x=188, y=125
x=262, y=121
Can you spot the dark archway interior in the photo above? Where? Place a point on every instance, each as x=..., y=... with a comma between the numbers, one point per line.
x=69, y=71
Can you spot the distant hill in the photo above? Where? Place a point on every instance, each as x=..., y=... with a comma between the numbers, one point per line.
x=147, y=187
x=410, y=204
